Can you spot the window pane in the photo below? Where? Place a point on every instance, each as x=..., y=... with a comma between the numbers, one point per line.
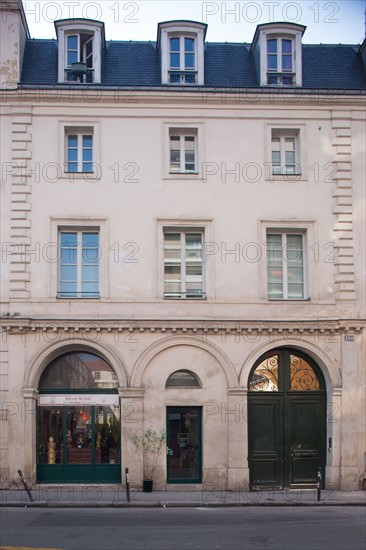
x=72, y=42
x=276, y=144
x=174, y=44
x=265, y=376
x=289, y=144
x=72, y=140
x=189, y=44
x=182, y=378
x=296, y=291
x=75, y=370
x=79, y=434
x=90, y=273
x=90, y=290
x=174, y=61
x=275, y=291
x=107, y=435
x=272, y=62
x=302, y=375
x=87, y=141
x=50, y=435
x=72, y=57
x=272, y=45
x=189, y=60
x=286, y=46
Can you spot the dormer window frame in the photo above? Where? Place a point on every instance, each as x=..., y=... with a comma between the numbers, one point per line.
x=278, y=75
x=184, y=74
x=86, y=31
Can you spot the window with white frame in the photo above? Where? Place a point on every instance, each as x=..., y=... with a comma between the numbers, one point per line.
x=285, y=152
x=79, y=263
x=181, y=47
x=280, y=61
x=183, y=263
x=285, y=265
x=80, y=43
x=182, y=60
x=183, y=151
x=79, y=150
x=79, y=57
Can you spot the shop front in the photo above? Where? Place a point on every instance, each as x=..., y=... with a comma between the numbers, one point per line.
x=78, y=421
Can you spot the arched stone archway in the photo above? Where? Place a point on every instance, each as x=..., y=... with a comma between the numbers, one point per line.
x=171, y=341
x=41, y=359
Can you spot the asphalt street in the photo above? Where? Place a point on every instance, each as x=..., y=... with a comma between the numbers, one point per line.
x=286, y=528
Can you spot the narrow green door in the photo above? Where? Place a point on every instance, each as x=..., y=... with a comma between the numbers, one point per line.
x=286, y=420
x=184, y=445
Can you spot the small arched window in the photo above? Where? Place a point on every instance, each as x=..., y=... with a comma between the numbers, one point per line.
x=183, y=379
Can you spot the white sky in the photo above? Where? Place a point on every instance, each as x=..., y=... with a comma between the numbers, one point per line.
x=341, y=21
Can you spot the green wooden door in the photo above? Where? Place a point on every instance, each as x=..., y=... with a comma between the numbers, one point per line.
x=286, y=421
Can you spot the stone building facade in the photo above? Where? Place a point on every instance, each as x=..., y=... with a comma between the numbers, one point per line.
x=183, y=249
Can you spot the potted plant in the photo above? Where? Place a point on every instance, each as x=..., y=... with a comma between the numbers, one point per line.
x=148, y=447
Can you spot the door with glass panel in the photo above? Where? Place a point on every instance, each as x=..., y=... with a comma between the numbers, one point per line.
x=78, y=421
x=184, y=445
x=286, y=420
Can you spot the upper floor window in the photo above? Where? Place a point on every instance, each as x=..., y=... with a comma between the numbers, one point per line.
x=277, y=54
x=181, y=46
x=80, y=43
x=79, y=57
x=183, y=151
x=79, y=150
x=285, y=266
x=182, y=57
x=79, y=264
x=285, y=152
x=183, y=264
x=280, y=62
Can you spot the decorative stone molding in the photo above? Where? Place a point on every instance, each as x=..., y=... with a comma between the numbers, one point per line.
x=200, y=329
x=344, y=276
x=20, y=214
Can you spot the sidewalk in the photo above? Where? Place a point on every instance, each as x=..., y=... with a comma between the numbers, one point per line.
x=115, y=496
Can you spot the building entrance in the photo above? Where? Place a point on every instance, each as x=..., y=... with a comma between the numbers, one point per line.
x=286, y=420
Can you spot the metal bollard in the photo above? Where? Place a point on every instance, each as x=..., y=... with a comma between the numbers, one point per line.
x=319, y=483
x=24, y=481
x=127, y=485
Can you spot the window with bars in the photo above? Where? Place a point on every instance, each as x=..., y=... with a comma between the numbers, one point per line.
x=285, y=266
x=79, y=264
x=183, y=264
x=183, y=151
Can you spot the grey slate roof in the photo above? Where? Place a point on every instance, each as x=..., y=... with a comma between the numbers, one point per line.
x=130, y=63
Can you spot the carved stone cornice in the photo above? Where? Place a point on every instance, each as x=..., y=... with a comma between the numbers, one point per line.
x=203, y=328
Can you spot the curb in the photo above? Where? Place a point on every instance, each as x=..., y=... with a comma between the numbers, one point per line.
x=83, y=504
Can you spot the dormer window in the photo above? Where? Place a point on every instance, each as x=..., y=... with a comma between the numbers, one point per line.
x=181, y=49
x=280, y=61
x=80, y=42
x=277, y=53
x=182, y=58
x=79, y=52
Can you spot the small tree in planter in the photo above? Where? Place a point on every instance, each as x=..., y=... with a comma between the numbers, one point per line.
x=148, y=447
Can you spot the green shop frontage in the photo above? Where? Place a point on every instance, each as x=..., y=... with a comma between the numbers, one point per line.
x=78, y=421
